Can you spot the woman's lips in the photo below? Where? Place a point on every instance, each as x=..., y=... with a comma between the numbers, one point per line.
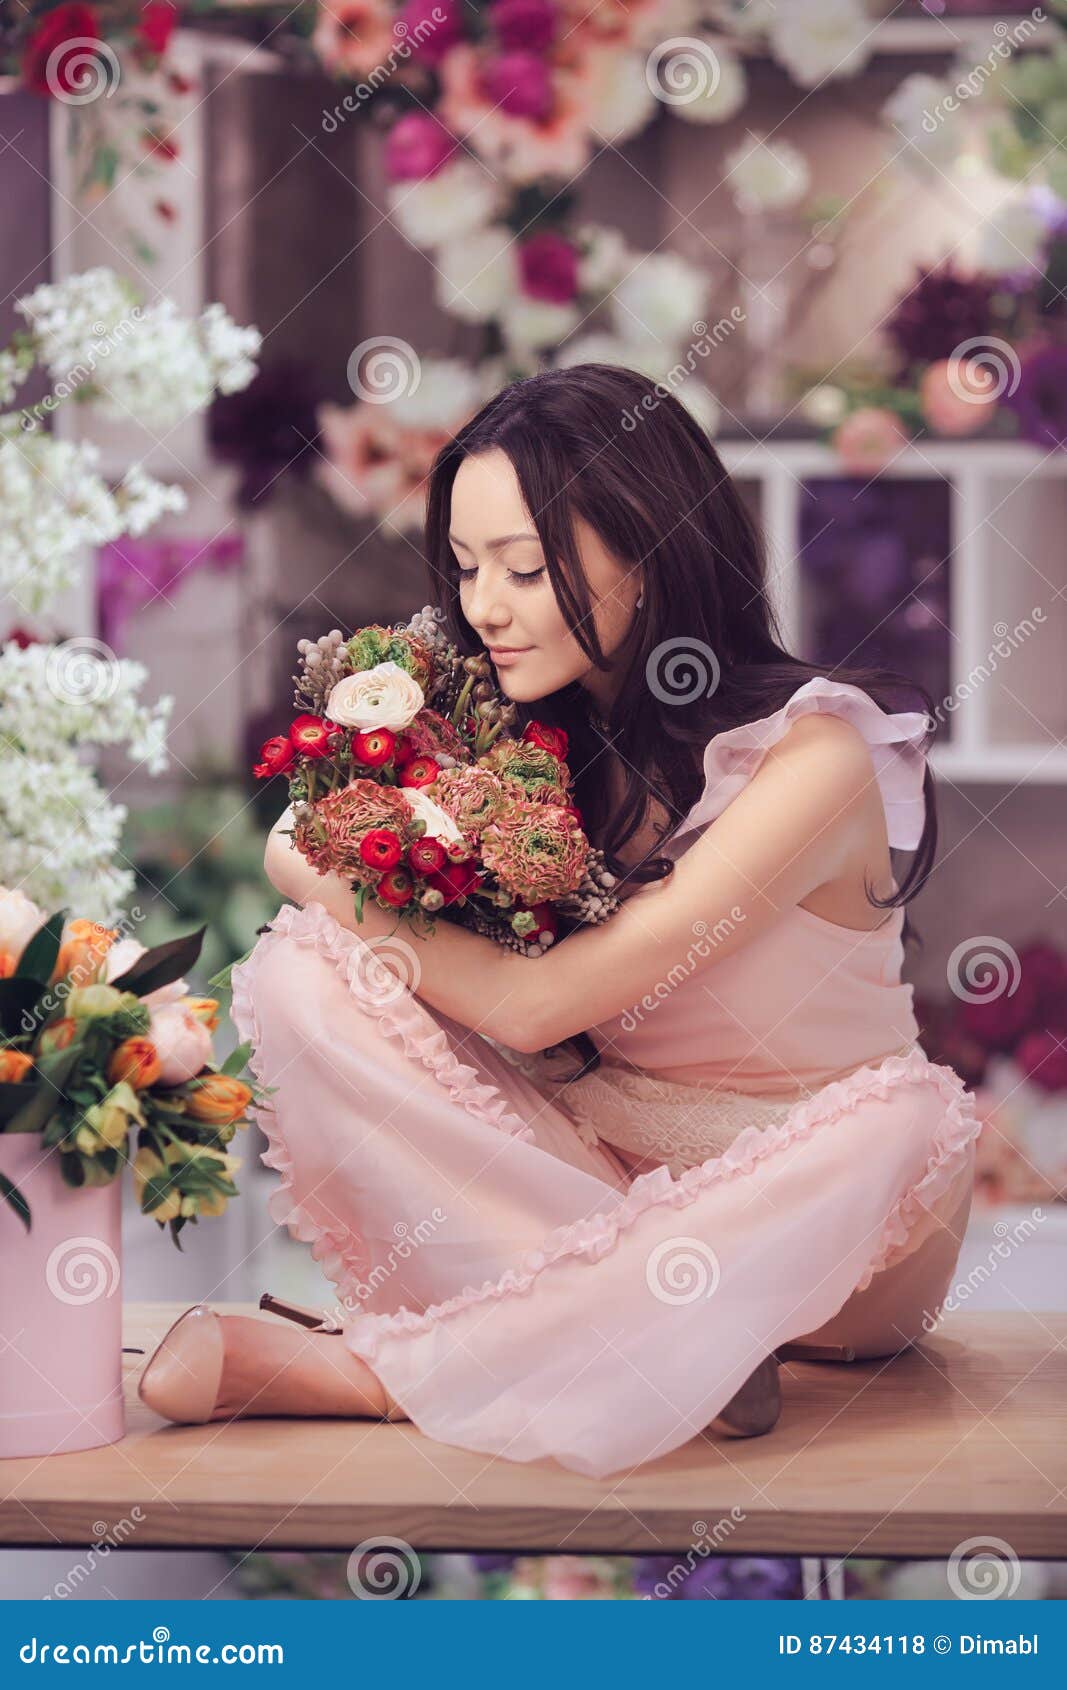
x=503, y=655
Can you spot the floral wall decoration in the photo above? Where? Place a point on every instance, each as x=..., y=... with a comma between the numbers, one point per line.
x=96, y=344
x=491, y=109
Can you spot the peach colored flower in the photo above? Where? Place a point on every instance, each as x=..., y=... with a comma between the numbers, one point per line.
x=218, y=1100
x=136, y=1060
x=373, y=465
x=957, y=399
x=183, y=1043
x=14, y=1065
x=520, y=147
x=868, y=439
x=83, y=951
x=352, y=37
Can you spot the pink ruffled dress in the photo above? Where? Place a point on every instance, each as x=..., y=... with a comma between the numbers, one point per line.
x=591, y=1272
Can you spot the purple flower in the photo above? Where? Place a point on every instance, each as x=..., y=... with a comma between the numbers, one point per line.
x=1040, y=397
x=429, y=39
x=521, y=84
x=417, y=147
x=548, y=265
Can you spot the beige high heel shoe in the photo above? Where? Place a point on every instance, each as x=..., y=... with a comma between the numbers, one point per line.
x=756, y=1407
x=182, y=1377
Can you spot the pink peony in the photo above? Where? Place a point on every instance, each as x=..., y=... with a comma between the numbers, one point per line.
x=522, y=148
x=524, y=23
x=520, y=84
x=868, y=439
x=183, y=1043
x=417, y=147
x=430, y=37
x=957, y=398
x=548, y=265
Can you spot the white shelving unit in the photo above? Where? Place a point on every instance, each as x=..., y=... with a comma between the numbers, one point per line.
x=1007, y=504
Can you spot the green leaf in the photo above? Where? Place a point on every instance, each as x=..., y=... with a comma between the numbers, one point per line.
x=162, y=965
x=15, y=1198
x=237, y=1060
x=39, y=957
x=45, y=1097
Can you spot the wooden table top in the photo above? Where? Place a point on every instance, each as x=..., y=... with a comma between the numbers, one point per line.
x=909, y=1457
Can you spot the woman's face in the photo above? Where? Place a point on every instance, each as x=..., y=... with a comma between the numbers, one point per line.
x=506, y=594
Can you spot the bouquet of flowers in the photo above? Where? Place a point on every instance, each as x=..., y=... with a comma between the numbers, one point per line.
x=100, y=1036
x=404, y=779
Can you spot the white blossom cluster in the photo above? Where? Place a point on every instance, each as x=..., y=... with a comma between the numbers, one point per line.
x=144, y=361
x=59, y=831
x=53, y=501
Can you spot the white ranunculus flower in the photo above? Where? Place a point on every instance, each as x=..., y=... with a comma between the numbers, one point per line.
x=767, y=175
x=622, y=101
x=20, y=918
x=662, y=299
x=718, y=97
x=819, y=39
x=603, y=257
x=476, y=274
x=383, y=697
x=928, y=133
x=1012, y=241
x=439, y=824
x=824, y=405
x=598, y=347
x=454, y=201
x=533, y=323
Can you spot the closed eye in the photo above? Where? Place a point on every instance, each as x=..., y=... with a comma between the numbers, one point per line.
x=513, y=574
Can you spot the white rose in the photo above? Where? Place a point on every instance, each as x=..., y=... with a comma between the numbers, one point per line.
x=383, y=697
x=19, y=920
x=439, y=824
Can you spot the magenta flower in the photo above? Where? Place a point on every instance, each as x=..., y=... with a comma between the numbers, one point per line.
x=520, y=84
x=429, y=39
x=548, y=265
x=417, y=147
x=524, y=23
x=1040, y=397
x=1043, y=1058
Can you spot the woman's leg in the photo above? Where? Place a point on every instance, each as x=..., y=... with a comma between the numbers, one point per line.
x=901, y=1303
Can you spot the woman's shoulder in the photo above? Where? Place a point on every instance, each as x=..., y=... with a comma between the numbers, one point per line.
x=846, y=718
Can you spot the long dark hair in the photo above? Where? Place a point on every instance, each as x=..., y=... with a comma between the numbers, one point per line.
x=609, y=445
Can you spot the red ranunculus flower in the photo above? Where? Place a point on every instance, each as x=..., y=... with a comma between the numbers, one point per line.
x=455, y=880
x=68, y=23
x=396, y=887
x=276, y=756
x=381, y=848
x=373, y=746
x=549, y=739
x=421, y=771
x=426, y=855
x=159, y=19
x=313, y=737
x=546, y=919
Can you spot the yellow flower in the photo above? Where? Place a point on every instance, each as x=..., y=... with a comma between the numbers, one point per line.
x=109, y=1120
x=146, y=1166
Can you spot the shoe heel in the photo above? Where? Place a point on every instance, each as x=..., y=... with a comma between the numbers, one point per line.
x=754, y=1409
x=314, y=1321
x=815, y=1352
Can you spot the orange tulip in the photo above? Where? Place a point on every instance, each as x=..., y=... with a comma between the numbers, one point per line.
x=8, y=964
x=81, y=955
x=56, y=1036
x=136, y=1060
x=14, y=1065
x=205, y=1010
x=218, y=1100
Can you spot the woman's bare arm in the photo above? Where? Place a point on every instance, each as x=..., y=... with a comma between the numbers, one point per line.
x=798, y=823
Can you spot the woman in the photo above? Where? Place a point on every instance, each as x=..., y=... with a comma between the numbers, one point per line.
x=757, y=1149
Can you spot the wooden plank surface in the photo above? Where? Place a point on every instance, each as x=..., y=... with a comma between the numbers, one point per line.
x=960, y=1438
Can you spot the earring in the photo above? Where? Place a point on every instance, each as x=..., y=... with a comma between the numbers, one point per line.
x=640, y=601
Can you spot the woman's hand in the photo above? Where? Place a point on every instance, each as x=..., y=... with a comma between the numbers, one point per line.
x=292, y=875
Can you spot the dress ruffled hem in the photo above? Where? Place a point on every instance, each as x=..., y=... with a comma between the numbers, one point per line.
x=341, y=1254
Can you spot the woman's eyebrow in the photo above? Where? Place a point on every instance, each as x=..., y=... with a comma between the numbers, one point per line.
x=493, y=545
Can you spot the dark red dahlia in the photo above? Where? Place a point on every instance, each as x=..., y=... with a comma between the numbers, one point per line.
x=940, y=310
